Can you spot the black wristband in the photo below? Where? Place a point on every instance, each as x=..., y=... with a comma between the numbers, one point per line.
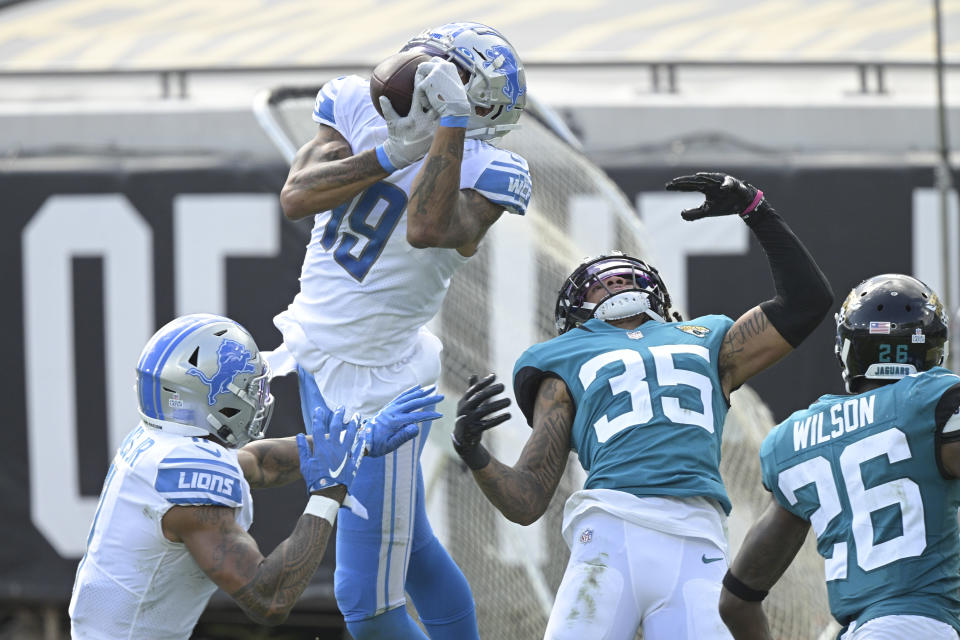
x=475, y=457
x=732, y=584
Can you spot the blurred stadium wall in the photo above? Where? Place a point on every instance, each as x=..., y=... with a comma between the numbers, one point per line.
x=139, y=185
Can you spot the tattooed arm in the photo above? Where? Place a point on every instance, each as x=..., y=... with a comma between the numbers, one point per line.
x=751, y=345
x=522, y=492
x=439, y=214
x=768, y=332
x=767, y=551
x=266, y=588
x=272, y=462
x=325, y=174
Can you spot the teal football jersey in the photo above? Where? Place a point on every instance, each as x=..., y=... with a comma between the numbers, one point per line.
x=649, y=405
x=863, y=470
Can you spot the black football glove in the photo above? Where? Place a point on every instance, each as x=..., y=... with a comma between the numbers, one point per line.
x=473, y=418
x=725, y=195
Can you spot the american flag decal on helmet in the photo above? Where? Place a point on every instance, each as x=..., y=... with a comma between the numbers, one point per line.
x=880, y=327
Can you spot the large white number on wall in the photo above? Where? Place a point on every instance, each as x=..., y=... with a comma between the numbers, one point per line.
x=660, y=212
x=65, y=227
x=209, y=227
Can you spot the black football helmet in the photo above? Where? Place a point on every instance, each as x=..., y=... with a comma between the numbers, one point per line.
x=648, y=294
x=890, y=326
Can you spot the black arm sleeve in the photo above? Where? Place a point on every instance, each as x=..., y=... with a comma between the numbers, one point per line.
x=803, y=295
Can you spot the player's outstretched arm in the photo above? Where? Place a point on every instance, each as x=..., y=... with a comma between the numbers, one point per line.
x=766, y=333
x=274, y=462
x=325, y=174
x=768, y=549
x=439, y=214
x=522, y=492
x=267, y=588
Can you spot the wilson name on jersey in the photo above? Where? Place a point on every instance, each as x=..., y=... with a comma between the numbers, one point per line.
x=649, y=405
x=863, y=470
x=363, y=287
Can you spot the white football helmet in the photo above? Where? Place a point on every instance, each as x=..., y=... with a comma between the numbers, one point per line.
x=496, y=80
x=203, y=375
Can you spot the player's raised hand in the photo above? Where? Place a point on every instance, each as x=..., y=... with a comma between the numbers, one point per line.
x=724, y=195
x=399, y=421
x=408, y=137
x=474, y=416
x=440, y=82
x=336, y=452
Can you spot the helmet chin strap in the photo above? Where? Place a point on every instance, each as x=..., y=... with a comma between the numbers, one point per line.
x=485, y=133
x=626, y=304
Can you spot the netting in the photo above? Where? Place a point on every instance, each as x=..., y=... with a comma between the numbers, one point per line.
x=499, y=303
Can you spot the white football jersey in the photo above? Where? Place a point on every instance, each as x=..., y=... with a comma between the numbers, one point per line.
x=133, y=582
x=364, y=291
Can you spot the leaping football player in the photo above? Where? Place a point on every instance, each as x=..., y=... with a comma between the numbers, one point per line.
x=398, y=203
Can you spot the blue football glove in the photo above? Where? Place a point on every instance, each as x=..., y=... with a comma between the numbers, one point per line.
x=398, y=422
x=337, y=450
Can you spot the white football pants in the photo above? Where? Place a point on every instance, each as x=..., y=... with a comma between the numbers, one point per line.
x=622, y=576
x=900, y=627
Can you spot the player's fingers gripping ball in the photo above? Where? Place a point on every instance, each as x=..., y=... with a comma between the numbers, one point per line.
x=408, y=137
x=440, y=82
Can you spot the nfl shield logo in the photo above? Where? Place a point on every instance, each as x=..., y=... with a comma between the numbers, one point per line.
x=586, y=536
x=918, y=337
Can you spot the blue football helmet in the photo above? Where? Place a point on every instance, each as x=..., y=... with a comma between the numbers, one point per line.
x=203, y=375
x=496, y=83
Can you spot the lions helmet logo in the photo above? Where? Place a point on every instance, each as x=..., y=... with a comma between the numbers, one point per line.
x=503, y=62
x=232, y=360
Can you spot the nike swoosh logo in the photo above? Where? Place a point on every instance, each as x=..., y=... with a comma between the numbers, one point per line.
x=334, y=474
x=707, y=560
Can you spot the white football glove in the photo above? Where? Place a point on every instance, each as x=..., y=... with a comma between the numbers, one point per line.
x=441, y=83
x=408, y=137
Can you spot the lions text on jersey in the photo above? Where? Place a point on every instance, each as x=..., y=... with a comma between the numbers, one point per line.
x=363, y=288
x=864, y=471
x=132, y=581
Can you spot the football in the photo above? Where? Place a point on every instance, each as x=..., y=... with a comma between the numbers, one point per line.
x=394, y=78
